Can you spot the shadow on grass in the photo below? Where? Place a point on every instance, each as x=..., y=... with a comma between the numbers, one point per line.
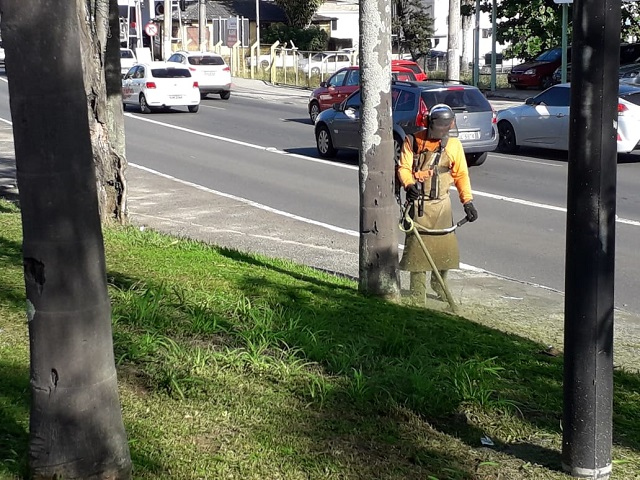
x=14, y=415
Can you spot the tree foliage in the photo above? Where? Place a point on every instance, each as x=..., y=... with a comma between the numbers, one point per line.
x=299, y=12
x=413, y=28
x=536, y=25
x=306, y=39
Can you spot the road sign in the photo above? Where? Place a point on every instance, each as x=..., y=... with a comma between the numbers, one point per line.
x=151, y=29
x=232, y=31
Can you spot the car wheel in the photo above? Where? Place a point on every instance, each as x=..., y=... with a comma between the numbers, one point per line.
x=476, y=159
x=324, y=142
x=546, y=82
x=315, y=71
x=397, y=149
x=519, y=87
x=225, y=95
x=314, y=111
x=124, y=107
x=506, y=137
x=193, y=108
x=144, y=108
x=203, y=96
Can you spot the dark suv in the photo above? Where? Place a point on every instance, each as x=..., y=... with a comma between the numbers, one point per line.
x=339, y=127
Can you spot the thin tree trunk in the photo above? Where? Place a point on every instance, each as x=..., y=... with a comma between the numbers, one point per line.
x=467, y=49
x=101, y=64
x=378, y=269
x=453, y=41
x=76, y=429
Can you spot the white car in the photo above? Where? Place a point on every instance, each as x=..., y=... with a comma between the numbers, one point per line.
x=324, y=62
x=157, y=85
x=209, y=69
x=127, y=60
x=543, y=120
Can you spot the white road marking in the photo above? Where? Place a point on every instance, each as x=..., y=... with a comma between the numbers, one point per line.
x=350, y=167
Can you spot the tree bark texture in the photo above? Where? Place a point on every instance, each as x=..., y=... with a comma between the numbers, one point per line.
x=76, y=429
x=378, y=259
x=453, y=41
x=100, y=47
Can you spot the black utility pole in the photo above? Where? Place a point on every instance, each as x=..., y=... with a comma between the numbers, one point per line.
x=590, y=250
x=379, y=213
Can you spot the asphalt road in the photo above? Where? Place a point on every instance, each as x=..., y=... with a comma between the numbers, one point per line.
x=260, y=148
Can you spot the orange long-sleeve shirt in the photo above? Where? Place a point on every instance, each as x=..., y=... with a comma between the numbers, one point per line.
x=455, y=152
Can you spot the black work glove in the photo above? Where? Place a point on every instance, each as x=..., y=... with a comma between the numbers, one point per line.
x=413, y=192
x=470, y=210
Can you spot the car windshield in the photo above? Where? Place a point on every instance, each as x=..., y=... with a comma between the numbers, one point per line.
x=459, y=99
x=205, y=60
x=170, y=73
x=319, y=56
x=126, y=54
x=549, y=55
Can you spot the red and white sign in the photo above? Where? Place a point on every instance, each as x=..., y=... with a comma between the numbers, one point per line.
x=151, y=29
x=232, y=31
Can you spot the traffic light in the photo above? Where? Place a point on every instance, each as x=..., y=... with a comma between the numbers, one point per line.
x=159, y=8
x=183, y=5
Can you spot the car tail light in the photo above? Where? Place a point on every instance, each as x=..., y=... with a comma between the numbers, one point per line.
x=226, y=69
x=455, y=88
x=195, y=84
x=622, y=108
x=150, y=84
x=422, y=113
x=494, y=116
x=193, y=69
x=619, y=138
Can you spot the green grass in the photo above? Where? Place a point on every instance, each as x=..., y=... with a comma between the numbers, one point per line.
x=239, y=366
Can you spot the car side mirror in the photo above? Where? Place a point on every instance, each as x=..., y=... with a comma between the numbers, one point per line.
x=324, y=84
x=529, y=101
x=337, y=106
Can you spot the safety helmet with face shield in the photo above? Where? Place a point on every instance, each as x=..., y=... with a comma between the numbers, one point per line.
x=441, y=122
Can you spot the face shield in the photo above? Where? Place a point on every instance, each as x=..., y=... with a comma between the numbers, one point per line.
x=441, y=122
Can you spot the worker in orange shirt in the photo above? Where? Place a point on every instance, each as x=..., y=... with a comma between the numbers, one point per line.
x=430, y=162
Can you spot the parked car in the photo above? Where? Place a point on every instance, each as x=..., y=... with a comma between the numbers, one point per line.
x=339, y=127
x=543, y=121
x=156, y=85
x=342, y=84
x=127, y=60
x=539, y=72
x=1, y=53
x=324, y=63
x=557, y=74
x=421, y=76
x=209, y=69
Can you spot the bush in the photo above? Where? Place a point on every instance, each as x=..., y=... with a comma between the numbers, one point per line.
x=312, y=38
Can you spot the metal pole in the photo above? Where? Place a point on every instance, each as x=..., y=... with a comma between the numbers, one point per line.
x=565, y=12
x=258, y=29
x=166, y=30
x=476, y=47
x=590, y=241
x=202, y=25
x=493, y=45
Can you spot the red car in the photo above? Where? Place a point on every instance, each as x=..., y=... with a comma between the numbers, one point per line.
x=342, y=84
x=421, y=76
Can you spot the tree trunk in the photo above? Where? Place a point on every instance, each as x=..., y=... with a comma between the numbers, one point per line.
x=76, y=429
x=467, y=49
x=378, y=268
x=453, y=41
x=101, y=65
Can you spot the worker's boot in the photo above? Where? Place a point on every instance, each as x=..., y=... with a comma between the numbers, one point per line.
x=435, y=284
x=418, y=288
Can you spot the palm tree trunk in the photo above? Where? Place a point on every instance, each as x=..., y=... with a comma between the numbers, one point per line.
x=76, y=429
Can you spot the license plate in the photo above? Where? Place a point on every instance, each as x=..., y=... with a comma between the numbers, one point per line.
x=175, y=97
x=469, y=135
x=211, y=74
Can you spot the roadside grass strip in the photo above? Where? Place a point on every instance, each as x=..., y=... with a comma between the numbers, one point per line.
x=238, y=366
